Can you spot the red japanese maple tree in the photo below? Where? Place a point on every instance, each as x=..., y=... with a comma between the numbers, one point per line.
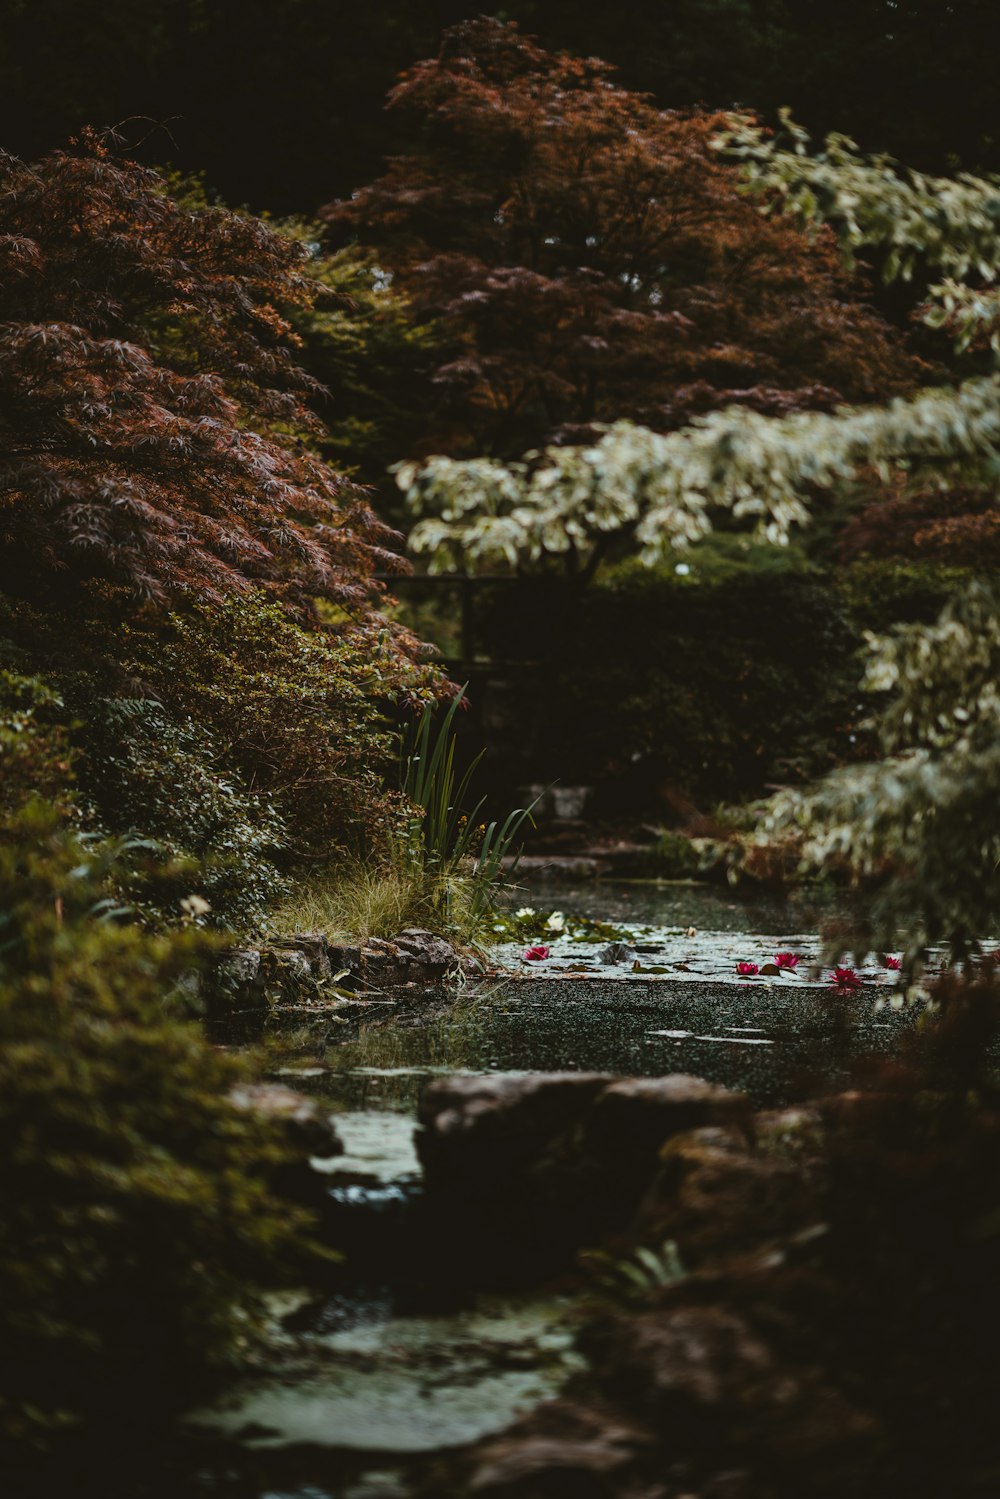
x=593, y=258
x=154, y=424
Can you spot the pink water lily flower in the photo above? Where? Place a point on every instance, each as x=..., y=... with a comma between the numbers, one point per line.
x=890, y=962
x=790, y=960
x=747, y=969
x=536, y=954
x=844, y=980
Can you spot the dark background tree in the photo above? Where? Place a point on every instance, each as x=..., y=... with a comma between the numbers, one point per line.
x=280, y=101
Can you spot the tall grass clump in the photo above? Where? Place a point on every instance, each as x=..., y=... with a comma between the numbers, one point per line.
x=358, y=900
x=462, y=856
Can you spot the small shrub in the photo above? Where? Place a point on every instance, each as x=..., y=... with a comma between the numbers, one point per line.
x=34, y=742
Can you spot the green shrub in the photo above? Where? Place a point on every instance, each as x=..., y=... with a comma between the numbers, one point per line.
x=34, y=742
x=884, y=591
x=295, y=717
x=158, y=776
x=135, y=1223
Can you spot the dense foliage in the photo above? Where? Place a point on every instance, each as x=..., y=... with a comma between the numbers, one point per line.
x=156, y=428
x=176, y=555
x=373, y=353
x=190, y=826
x=135, y=1220
x=590, y=257
x=923, y=816
x=926, y=812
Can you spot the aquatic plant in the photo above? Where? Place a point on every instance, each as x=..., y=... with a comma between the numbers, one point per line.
x=464, y=858
x=844, y=981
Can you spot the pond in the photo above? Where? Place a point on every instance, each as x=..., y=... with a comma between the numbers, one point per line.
x=381, y=1373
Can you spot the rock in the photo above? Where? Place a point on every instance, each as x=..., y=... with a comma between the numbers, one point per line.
x=307, y=1128
x=414, y=956
x=345, y=965
x=797, y=1134
x=553, y=1162
x=708, y=1371
x=381, y=965
x=431, y=953
x=636, y=1115
x=292, y=967
x=714, y=1194
x=689, y=1356
x=481, y=1131
x=617, y=953
x=190, y=987
x=561, y=1449
x=240, y=967
x=313, y=948
x=238, y=987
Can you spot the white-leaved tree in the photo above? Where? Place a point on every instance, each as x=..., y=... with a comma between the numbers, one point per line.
x=926, y=816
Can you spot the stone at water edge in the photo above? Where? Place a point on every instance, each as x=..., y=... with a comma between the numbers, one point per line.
x=637, y=1115
x=435, y=954
x=413, y=956
x=310, y=949
x=482, y=1129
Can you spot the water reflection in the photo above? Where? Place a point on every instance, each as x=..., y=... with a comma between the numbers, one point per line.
x=682, y=903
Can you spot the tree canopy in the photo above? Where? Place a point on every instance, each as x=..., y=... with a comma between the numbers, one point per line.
x=925, y=814
x=589, y=256
x=157, y=433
